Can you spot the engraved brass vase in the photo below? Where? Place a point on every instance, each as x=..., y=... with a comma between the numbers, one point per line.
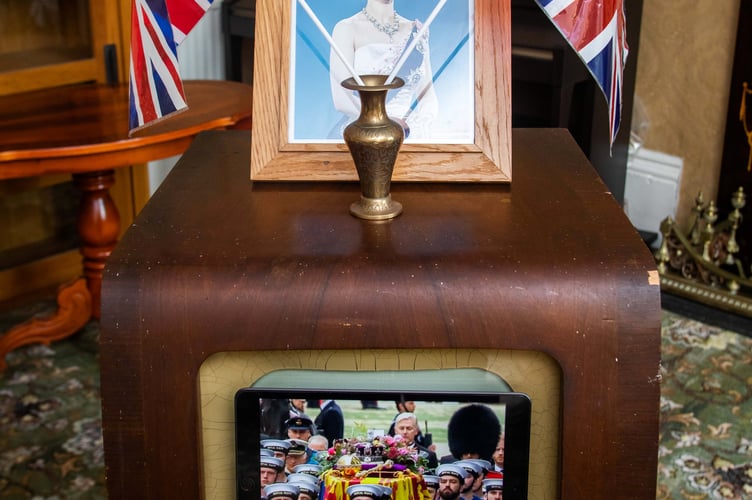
x=374, y=141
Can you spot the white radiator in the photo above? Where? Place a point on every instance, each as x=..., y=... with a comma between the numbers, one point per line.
x=651, y=191
x=202, y=53
x=201, y=56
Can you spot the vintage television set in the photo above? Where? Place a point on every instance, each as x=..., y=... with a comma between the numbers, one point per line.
x=450, y=375
x=221, y=282
x=538, y=279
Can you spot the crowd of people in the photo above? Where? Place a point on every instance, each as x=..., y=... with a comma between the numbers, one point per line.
x=292, y=460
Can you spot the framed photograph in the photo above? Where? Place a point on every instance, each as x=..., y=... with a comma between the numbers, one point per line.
x=455, y=106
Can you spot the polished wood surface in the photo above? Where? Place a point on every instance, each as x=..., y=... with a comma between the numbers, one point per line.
x=83, y=130
x=547, y=264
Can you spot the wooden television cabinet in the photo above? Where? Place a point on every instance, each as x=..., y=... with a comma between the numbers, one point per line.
x=217, y=267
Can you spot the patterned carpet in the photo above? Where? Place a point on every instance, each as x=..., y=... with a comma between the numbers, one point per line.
x=50, y=420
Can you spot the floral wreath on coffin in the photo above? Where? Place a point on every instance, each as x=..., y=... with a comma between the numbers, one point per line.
x=349, y=456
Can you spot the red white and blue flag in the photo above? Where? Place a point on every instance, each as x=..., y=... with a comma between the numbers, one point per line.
x=596, y=29
x=157, y=27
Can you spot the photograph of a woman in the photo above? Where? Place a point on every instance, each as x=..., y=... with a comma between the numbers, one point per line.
x=436, y=104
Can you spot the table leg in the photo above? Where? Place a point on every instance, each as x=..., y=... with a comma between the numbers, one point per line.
x=98, y=228
x=74, y=311
x=79, y=301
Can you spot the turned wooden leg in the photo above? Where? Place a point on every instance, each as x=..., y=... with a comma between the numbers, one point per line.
x=98, y=227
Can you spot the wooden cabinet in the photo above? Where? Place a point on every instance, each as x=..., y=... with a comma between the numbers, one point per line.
x=50, y=43
x=45, y=44
x=547, y=266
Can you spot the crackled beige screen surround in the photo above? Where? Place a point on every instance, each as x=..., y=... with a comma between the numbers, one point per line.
x=222, y=374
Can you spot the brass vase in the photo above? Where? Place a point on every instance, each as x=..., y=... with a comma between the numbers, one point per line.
x=374, y=141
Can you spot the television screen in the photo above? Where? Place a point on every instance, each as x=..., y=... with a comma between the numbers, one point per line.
x=369, y=432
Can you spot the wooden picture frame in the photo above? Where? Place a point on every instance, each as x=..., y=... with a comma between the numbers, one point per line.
x=487, y=159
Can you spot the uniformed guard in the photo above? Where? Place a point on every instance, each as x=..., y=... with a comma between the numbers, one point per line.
x=451, y=479
x=365, y=492
x=280, y=447
x=473, y=432
x=472, y=487
x=299, y=427
x=432, y=483
x=296, y=454
x=313, y=470
x=493, y=488
x=269, y=470
x=307, y=485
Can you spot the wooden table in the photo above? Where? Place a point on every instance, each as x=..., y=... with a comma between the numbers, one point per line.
x=549, y=264
x=83, y=130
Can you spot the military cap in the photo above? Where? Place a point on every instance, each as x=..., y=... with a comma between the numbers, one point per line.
x=276, y=445
x=493, y=484
x=386, y=491
x=305, y=483
x=431, y=480
x=299, y=476
x=282, y=490
x=313, y=470
x=297, y=447
x=470, y=466
x=272, y=463
x=365, y=490
x=452, y=470
x=299, y=422
x=484, y=464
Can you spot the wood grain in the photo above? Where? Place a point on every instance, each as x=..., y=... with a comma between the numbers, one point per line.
x=548, y=264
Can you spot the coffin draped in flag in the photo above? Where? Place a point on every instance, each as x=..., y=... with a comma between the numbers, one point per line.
x=157, y=27
x=596, y=30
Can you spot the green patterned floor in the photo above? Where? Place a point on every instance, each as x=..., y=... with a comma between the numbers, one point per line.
x=50, y=418
x=706, y=412
x=50, y=421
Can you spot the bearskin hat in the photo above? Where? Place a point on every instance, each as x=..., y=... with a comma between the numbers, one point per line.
x=473, y=429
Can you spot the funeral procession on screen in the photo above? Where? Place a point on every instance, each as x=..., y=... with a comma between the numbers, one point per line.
x=411, y=450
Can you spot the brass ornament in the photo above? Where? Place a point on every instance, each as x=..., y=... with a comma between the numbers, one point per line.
x=374, y=140
x=702, y=263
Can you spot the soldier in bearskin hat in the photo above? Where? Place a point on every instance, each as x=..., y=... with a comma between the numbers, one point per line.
x=473, y=432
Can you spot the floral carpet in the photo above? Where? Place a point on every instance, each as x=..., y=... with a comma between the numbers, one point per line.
x=50, y=417
x=51, y=438
x=706, y=412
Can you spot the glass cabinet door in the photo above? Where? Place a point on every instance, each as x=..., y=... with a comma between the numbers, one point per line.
x=45, y=43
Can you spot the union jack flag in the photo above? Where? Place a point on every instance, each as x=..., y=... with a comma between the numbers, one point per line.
x=157, y=27
x=596, y=30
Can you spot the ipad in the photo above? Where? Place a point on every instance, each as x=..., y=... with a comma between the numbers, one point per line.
x=457, y=412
